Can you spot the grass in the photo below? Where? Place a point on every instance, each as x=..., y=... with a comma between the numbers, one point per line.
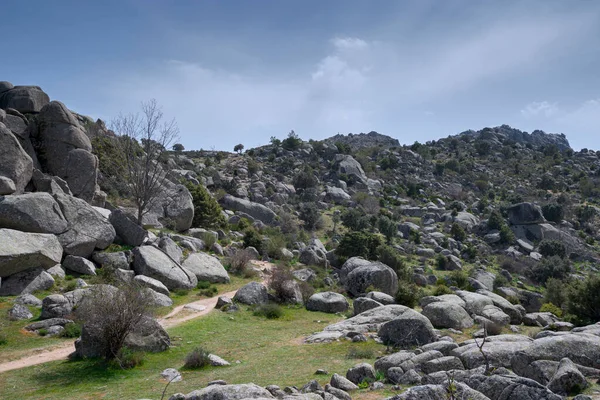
x=259, y=344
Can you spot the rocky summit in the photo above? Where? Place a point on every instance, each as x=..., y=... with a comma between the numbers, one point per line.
x=465, y=267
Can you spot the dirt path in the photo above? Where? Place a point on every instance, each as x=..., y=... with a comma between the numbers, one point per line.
x=179, y=315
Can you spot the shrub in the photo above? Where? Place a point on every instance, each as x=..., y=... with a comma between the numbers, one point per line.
x=239, y=264
x=363, y=244
x=458, y=233
x=197, y=359
x=387, y=227
x=552, y=267
x=279, y=284
x=549, y=307
x=506, y=235
x=441, y=262
x=181, y=292
x=408, y=294
x=210, y=292
x=305, y=179
x=292, y=142
x=500, y=281
x=495, y=221
x=555, y=292
x=72, y=330
x=355, y=220
x=583, y=298
x=550, y=248
x=358, y=353
x=252, y=239
x=310, y=215
x=459, y=279
x=128, y=359
x=553, y=212
x=442, y=289
x=43, y=332
x=207, y=211
x=390, y=257
x=269, y=311
x=203, y=285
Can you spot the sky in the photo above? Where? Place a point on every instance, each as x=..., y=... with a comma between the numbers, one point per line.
x=234, y=71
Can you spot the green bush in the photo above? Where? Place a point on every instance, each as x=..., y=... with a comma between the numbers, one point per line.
x=458, y=233
x=359, y=244
x=387, y=227
x=203, y=285
x=441, y=262
x=128, y=359
x=3, y=339
x=551, y=308
x=442, y=289
x=552, y=267
x=390, y=257
x=72, y=330
x=550, y=248
x=356, y=220
x=207, y=211
x=459, y=278
x=197, y=359
x=408, y=294
x=555, y=292
x=495, y=221
x=269, y=311
x=292, y=142
x=252, y=239
x=583, y=298
x=554, y=212
x=506, y=235
x=310, y=215
x=500, y=281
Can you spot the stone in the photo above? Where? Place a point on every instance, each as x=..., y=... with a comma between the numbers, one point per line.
x=28, y=281
x=475, y=302
x=116, y=260
x=79, y=265
x=328, y=302
x=443, y=347
x=16, y=165
x=499, y=349
x=496, y=315
x=157, y=299
x=510, y=387
x=36, y=326
x=506, y=306
x=253, y=293
x=55, y=306
x=347, y=165
x=206, y=268
x=25, y=99
x=362, y=304
x=305, y=274
x=19, y=312
x=376, y=274
x=439, y=392
x=32, y=212
x=351, y=264
x=409, y=329
x=217, y=361
x=127, y=229
x=28, y=300
x=336, y=195
x=88, y=229
x=152, y=262
x=170, y=248
x=255, y=210
x=525, y=214
x=447, y=363
x=337, y=393
x=360, y=372
x=447, y=315
x=151, y=283
x=393, y=360
x=311, y=387
x=171, y=375
x=223, y=301
x=485, y=277
x=380, y=297
x=230, y=392
x=7, y=186
x=339, y=382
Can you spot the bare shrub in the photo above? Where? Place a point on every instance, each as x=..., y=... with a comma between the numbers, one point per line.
x=113, y=313
x=239, y=263
x=197, y=358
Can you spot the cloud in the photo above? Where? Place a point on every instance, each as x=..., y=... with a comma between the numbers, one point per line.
x=348, y=43
x=542, y=108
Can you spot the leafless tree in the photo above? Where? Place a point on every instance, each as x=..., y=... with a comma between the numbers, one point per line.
x=112, y=313
x=145, y=139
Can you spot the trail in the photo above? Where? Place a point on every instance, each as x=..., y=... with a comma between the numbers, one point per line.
x=178, y=316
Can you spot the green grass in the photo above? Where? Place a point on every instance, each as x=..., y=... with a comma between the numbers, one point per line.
x=269, y=351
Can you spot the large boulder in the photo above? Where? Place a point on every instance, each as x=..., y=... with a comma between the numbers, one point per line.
x=409, y=329
x=507, y=387
x=350, y=265
x=28, y=281
x=447, y=315
x=376, y=275
x=206, y=268
x=88, y=229
x=32, y=212
x=362, y=304
x=347, y=165
x=525, y=214
x=230, y=392
x=79, y=265
x=328, y=302
x=16, y=165
x=127, y=229
x=152, y=262
x=439, y=392
x=67, y=150
x=498, y=349
x=25, y=99
x=173, y=208
x=252, y=293
x=567, y=378
x=255, y=210
x=360, y=372
x=20, y=251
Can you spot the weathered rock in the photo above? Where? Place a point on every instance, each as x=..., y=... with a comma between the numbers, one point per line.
x=328, y=302
x=447, y=315
x=230, y=392
x=173, y=208
x=255, y=210
x=152, y=262
x=19, y=312
x=505, y=387
x=28, y=281
x=206, y=268
x=223, y=301
x=336, y=195
x=79, y=265
x=304, y=274
x=168, y=246
x=447, y=363
x=360, y=372
x=157, y=299
x=384, y=363
x=337, y=393
x=439, y=392
x=419, y=360
x=409, y=329
x=127, y=229
x=251, y=294
x=506, y=306
x=151, y=283
x=496, y=315
x=7, y=186
x=376, y=274
x=25, y=99
x=342, y=383
x=28, y=300
x=116, y=260
x=348, y=166
x=56, y=306
x=525, y=214
x=381, y=297
x=32, y=212
x=20, y=251
x=36, y=326
x=475, y=303
x=88, y=229
x=567, y=378
x=217, y=361
x=362, y=304
x=498, y=349
x=16, y=165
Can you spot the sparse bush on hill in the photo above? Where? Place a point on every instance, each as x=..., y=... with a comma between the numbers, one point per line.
x=197, y=359
x=310, y=215
x=551, y=267
x=582, y=300
x=269, y=311
x=553, y=212
x=408, y=294
x=207, y=211
x=390, y=257
x=363, y=244
x=252, y=239
x=550, y=248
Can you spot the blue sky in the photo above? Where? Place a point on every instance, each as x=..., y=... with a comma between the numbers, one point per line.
x=242, y=71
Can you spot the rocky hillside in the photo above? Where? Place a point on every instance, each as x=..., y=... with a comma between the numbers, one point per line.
x=489, y=235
